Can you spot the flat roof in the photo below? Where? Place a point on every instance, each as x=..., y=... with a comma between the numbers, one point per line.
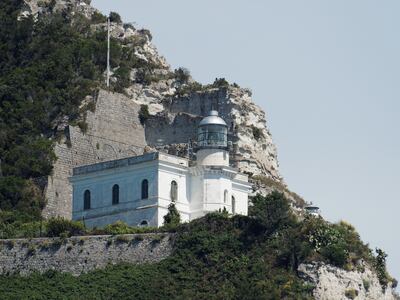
x=129, y=161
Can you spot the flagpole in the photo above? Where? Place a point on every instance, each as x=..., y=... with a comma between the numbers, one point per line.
x=108, y=53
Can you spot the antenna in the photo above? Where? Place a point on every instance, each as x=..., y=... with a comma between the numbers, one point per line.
x=108, y=52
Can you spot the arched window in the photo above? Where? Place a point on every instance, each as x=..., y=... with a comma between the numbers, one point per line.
x=233, y=205
x=145, y=189
x=86, y=200
x=226, y=196
x=174, y=191
x=115, y=194
x=144, y=223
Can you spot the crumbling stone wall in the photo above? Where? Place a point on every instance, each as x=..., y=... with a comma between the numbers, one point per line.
x=79, y=255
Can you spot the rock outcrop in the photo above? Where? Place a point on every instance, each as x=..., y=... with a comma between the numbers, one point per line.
x=113, y=130
x=35, y=7
x=332, y=283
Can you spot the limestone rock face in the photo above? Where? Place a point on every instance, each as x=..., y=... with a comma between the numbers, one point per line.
x=113, y=129
x=177, y=119
x=35, y=7
x=332, y=283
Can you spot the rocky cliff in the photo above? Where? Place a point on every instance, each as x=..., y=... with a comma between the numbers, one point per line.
x=175, y=102
x=334, y=283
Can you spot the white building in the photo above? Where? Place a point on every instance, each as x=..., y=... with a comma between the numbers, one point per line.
x=138, y=190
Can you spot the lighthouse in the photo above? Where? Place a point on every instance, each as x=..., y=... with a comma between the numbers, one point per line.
x=212, y=141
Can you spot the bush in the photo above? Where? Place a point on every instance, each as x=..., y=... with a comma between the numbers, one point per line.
x=143, y=113
x=182, y=75
x=117, y=228
x=380, y=267
x=172, y=218
x=58, y=227
x=122, y=75
x=98, y=18
x=273, y=211
x=257, y=133
x=351, y=293
x=366, y=284
x=220, y=83
x=115, y=17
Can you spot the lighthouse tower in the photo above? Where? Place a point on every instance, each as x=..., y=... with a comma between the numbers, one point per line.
x=212, y=141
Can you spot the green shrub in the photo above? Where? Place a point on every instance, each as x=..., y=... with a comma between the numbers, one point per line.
x=98, y=18
x=257, y=133
x=380, y=267
x=351, y=293
x=143, y=113
x=366, y=284
x=60, y=227
x=117, y=228
x=273, y=211
x=182, y=75
x=172, y=218
x=115, y=17
x=122, y=74
x=220, y=83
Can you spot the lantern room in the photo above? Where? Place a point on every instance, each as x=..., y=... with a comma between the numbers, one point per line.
x=212, y=141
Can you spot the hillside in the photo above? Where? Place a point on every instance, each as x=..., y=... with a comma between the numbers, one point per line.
x=56, y=113
x=269, y=255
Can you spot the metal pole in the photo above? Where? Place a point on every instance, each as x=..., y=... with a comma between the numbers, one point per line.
x=108, y=52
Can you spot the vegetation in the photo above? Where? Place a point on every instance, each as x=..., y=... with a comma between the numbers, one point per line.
x=172, y=218
x=57, y=227
x=47, y=67
x=115, y=17
x=278, y=186
x=220, y=83
x=351, y=293
x=143, y=113
x=257, y=133
x=182, y=75
x=253, y=257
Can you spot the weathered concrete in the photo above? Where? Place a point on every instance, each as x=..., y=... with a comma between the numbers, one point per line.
x=79, y=255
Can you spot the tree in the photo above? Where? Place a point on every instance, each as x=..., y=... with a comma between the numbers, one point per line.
x=172, y=218
x=115, y=17
x=273, y=211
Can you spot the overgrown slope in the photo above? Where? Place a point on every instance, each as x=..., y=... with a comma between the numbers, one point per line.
x=49, y=63
x=219, y=257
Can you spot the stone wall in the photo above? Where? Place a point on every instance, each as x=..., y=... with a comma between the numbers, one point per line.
x=79, y=255
x=114, y=131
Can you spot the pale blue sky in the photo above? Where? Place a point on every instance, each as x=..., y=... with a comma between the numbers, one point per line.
x=327, y=73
